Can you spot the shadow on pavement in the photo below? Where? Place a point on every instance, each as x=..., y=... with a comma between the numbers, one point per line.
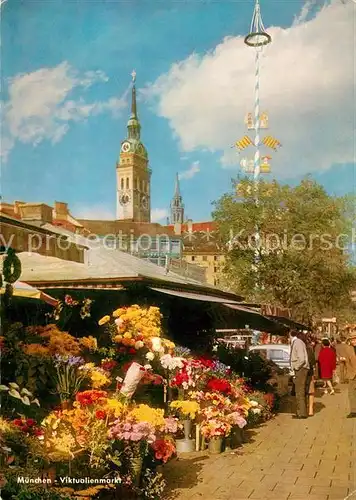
x=182, y=474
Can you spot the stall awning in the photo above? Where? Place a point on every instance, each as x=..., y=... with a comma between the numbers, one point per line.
x=195, y=296
x=239, y=307
x=288, y=322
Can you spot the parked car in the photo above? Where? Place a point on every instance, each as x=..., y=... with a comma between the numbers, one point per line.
x=278, y=353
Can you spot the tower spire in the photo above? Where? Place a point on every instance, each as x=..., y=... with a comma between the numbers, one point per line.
x=177, y=187
x=133, y=96
x=133, y=125
x=177, y=206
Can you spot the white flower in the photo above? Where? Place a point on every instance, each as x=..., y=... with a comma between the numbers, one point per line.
x=156, y=344
x=139, y=344
x=147, y=367
x=150, y=356
x=118, y=322
x=171, y=363
x=253, y=403
x=256, y=410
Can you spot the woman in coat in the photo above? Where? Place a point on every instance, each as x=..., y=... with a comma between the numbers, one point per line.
x=327, y=365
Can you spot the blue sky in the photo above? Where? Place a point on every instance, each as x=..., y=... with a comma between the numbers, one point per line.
x=66, y=71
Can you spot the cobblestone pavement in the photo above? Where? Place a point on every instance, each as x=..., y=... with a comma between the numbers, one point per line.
x=285, y=459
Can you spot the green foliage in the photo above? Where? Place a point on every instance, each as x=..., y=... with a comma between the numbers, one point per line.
x=303, y=233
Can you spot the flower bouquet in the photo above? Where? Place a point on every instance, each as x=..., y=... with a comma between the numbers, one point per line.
x=68, y=376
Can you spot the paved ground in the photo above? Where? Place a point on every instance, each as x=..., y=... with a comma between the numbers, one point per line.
x=285, y=459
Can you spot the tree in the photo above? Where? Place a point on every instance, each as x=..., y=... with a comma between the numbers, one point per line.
x=301, y=259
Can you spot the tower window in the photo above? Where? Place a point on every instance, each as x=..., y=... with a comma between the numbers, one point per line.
x=122, y=183
x=127, y=183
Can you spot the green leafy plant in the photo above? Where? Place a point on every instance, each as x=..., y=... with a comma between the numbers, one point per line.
x=16, y=392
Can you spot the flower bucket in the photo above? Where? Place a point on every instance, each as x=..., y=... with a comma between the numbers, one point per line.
x=215, y=445
x=236, y=437
x=185, y=445
x=187, y=428
x=136, y=469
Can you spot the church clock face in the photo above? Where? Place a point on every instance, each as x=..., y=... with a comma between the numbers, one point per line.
x=124, y=199
x=144, y=202
x=126, y=146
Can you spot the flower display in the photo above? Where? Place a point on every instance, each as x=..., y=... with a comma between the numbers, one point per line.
x=164, y=449
x=87, y=398
x=108, y=364
x=171, y=363
x=131, y=431
x=144, y=413
x=28, y=426
x=215, y=427
x=219, y=385
x=187, y=409
x=104, y=320
x=36, y=350
x=89, y=343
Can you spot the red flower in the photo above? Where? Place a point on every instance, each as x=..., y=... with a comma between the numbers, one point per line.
x=87, y=398
x=132, y=350
x=164, y=449
x=108, y=365
x=38, y=432
x=30, y=422
x=18, y=422
x=100, y=414
x=179, y=379
x=219, y=385
x=206, y=362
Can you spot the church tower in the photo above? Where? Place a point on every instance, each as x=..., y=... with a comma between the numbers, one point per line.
x=133, y=176
x=177, y=206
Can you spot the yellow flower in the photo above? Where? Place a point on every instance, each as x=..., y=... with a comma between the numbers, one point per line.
x=114, y=406
x=186, y=408
x=89, y=343
x=104, y=320
x=118, y=338
x=127, y=336
x=118, y=312
x=98, y=379
x=144, y=413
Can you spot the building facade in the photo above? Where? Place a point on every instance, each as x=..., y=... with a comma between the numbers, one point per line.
x=133, y=177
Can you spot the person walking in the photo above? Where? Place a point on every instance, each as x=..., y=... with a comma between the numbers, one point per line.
x=327, y=364
x=300, y=366
x=310, y=382
x=317, y=350
x=341, y=349
x=350, y=362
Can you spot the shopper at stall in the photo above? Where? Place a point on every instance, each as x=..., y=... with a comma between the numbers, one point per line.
x=341, y=349
x=300, y=366
x=351, y=373
x=327, y=365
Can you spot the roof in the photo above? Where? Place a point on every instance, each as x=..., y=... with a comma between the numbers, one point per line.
x=116, y=227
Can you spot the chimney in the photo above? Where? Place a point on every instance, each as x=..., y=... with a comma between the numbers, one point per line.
x=16, y=206
x=37, y=212
x=190, y=225
x=61, y=210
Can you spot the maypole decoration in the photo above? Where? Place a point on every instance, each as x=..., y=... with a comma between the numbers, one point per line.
x=257, y=38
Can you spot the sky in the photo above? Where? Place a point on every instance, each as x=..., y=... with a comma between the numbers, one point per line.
x=65, y=75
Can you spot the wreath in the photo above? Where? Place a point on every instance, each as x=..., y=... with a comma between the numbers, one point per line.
x=11, y=267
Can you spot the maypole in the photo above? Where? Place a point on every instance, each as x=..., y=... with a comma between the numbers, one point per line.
x=257, y=38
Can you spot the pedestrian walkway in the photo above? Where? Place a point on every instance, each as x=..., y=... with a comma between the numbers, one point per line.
x=285, y=459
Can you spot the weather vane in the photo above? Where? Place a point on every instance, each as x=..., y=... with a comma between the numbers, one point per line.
x=133, y=74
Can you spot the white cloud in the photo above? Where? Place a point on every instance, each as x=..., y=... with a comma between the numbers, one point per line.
x=159, y=215
x=307, y=81
x=192, y=170
x=40, y=106
x=93, y=212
